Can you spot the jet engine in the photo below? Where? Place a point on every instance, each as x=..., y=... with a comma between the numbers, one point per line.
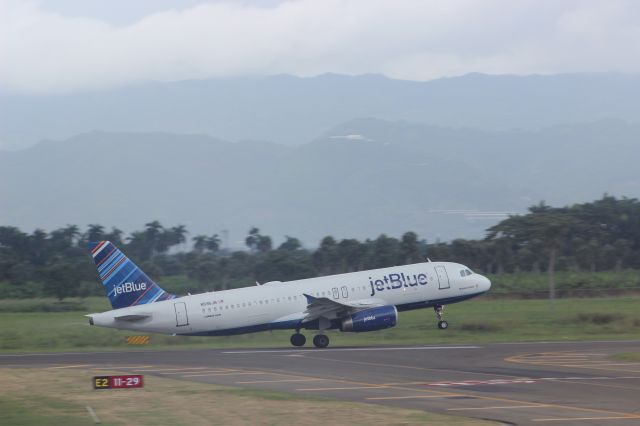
x=371, y=319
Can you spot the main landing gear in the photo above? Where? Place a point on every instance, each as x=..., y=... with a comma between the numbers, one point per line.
x=319, y=340
x=442, y=324
x=298, y=339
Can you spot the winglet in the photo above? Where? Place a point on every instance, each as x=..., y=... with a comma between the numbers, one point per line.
x=310, y=299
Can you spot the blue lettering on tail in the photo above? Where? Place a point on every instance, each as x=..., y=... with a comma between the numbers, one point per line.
x=124, y=283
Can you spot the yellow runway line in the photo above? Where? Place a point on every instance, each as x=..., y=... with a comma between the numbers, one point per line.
x=277, y=381
x=381, y=398
x=188, y=371
x=216, y=374
x=574, y=419
x=71, y=366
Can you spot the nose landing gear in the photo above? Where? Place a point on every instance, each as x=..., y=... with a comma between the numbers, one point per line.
x=442, y=324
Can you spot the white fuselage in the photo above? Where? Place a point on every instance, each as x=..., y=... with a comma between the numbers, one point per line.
x=282, y=305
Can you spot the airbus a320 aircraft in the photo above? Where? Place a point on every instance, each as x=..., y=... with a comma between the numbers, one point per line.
x=358, y=301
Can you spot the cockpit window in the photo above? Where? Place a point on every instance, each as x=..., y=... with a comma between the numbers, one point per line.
x=465, y=272
x=468, y=272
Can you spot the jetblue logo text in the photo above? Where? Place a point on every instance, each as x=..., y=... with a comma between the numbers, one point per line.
x=129, y=287
x=393, y=281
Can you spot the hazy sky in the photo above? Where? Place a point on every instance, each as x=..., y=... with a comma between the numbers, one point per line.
x=66, y=45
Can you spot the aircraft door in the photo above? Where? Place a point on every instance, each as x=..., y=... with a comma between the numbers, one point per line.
x=443, y=278
x=181, y=314
x=336, y=293
x=345, y=292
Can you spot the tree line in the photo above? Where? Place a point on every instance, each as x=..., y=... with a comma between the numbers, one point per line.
x=600, y=235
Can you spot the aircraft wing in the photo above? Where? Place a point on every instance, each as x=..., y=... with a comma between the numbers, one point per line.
x=323, y=307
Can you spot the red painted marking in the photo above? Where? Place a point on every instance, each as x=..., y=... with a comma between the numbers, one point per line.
x=96, y=248
x=143, y=293
x=107, y=256
x=104, y=277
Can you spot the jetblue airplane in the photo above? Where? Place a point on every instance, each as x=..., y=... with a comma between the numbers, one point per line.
x=358, y=301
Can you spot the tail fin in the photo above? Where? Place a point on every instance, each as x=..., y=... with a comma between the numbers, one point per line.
x=124, y=283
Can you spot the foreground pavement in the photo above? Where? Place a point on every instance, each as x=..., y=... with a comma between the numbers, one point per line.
x=567, y=383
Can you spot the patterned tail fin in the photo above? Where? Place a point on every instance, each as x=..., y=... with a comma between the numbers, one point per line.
x=124, y=283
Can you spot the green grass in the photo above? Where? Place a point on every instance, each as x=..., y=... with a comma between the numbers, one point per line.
x=40, y=396
x=568, y=284
x=18, y=411
x=475, y=321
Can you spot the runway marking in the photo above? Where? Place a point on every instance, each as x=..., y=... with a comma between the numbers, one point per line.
x=367, y=385
x=382, y=398
x=474, y=395
x=601, y=384
x=278, y=381
x=481, y=382
x=79, y=353
x=174, y=369
x=550, y=342
x=410, y=367
x=93, y=414
x=501, y=407
x=129, y=366
x=573, y=419
x=187, y=371
x=71, y=366
x=215, y=373
x=343, y=388
x=302, y=351
x=588, y=361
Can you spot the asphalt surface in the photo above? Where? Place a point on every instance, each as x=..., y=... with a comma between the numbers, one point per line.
x=537, y=383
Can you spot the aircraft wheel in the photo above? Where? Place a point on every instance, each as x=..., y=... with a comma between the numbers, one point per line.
x=321, y=341
x=298, y=339
x=442, y=325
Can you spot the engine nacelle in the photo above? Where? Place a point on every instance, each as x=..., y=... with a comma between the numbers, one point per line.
x=371, y=319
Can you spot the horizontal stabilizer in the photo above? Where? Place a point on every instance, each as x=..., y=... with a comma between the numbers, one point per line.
x=132, y=317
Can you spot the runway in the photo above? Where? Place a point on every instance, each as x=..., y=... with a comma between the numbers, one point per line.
x=567, y=383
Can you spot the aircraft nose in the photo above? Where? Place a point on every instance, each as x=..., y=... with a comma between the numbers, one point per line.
x=485, y=283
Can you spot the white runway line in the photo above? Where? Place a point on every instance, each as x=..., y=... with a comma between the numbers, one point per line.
x=93, y=414
x=302, y=351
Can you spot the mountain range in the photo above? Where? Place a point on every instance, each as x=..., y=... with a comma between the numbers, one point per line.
x=357, y=179
x=292, y=110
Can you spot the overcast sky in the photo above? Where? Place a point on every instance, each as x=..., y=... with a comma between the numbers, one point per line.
x=67, y=45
